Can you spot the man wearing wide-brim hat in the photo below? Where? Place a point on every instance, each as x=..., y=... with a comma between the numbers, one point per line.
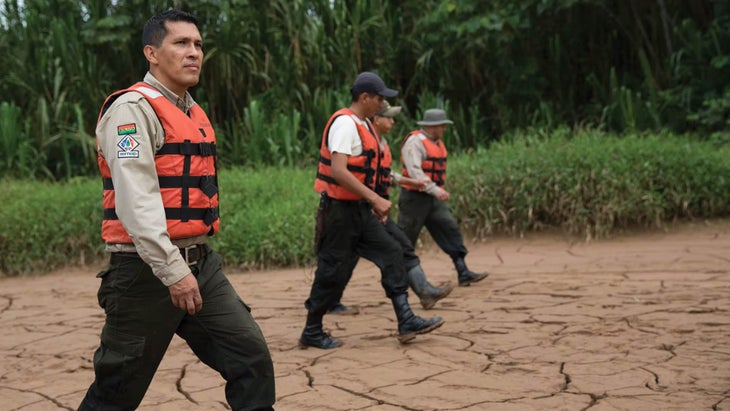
x=424, y=155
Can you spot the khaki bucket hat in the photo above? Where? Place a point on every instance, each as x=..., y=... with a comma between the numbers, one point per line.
x=434, y=117
x=389, y=111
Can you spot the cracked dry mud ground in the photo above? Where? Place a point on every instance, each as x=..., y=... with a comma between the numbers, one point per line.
x=638, y=322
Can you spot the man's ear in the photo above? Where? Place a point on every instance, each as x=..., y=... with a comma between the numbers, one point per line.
x=150, y=53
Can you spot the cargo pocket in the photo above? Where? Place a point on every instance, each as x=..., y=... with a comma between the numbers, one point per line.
x=118, y=359
x=100, y=295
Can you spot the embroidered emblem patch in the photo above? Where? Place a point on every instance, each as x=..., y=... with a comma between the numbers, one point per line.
x=128, y=147
x=127, y=129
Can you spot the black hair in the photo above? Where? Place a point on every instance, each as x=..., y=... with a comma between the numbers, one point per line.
x=155, y=31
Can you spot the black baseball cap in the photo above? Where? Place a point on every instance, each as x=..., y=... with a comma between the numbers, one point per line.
x=369, y=82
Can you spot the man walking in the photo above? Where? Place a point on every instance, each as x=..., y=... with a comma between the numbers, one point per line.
x=427, y=293
x=424, y=155
x=157, y=157
x=351, y=214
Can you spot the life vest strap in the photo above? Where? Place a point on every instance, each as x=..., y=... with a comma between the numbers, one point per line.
x=208, y=214
x=188, y=149
x=208, y=184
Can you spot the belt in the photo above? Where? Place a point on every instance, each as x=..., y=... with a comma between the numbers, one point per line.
x=194, y=253
x=191, y=254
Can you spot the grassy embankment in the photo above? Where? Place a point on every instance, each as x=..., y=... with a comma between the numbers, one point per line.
x=590, y=184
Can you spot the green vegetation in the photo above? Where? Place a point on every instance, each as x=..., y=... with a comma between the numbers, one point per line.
x=44, y=226
x=588, y=183
x=591, y=184
x=276, y=69
x=654, y=75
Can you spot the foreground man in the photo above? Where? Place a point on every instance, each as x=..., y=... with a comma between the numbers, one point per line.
x=157, y=156
x=424, y=155
x=351, y=215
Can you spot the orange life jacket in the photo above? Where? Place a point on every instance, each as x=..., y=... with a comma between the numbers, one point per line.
x=434, y=165
x=364, y=166
x=382, y=186
x=186, y=169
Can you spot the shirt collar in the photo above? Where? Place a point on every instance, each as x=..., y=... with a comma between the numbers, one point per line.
x=184, y=103
x=428, y=135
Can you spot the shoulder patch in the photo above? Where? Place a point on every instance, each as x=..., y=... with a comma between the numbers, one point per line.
x=127, y=129
x=128, y=147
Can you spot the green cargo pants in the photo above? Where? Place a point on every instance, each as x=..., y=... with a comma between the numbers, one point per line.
x=418, y=209
x=141, y=321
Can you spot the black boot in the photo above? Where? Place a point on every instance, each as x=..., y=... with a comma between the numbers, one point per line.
x=314, y=336
x=466, y=276
x=341, y=309
x=427, y=293
x=409, y=324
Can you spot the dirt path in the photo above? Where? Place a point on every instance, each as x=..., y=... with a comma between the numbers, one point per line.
x=636, y=323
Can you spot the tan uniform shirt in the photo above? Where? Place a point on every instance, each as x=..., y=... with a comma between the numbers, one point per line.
x=137, y=190
x=412, y=155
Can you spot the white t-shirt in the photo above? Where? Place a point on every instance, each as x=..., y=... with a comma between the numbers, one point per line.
x=343, y=137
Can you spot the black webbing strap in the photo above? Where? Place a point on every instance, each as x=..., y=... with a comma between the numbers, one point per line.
x=327, y=179
x=438, y=160
x=206, y=183
x=208, y=215
x=357, y=169
x=185, y=188
x=188, y=149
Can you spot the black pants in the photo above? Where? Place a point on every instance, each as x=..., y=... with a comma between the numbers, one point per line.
x=350, y=230
x=410, y=259
x=418, y=209
x=140, y=323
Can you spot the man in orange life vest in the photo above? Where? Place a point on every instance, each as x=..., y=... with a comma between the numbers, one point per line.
x=424, y=155
x=427, y=293
x=351, y=216
x=157, y=157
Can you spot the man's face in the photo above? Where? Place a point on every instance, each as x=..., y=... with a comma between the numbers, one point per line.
x=383, y=125
x=436, y=131
x=178, y=61
x=372, y=104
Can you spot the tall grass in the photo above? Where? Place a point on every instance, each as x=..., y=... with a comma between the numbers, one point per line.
x=591, y=184
x=44, y=226
x=17, y=152
x=275, y=70
x=267, y=217
x=588, y=183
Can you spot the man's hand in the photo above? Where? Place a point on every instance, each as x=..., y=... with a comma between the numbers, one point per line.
x=186, y=295
x=381, y=207
x=443, y=195
x=421, y=184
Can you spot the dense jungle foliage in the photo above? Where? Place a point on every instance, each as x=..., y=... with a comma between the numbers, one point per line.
x=275, y=70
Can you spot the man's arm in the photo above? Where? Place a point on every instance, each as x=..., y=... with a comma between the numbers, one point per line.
x=397, y=179
x=344, y=178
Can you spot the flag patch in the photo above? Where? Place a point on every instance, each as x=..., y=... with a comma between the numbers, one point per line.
x=127, y=129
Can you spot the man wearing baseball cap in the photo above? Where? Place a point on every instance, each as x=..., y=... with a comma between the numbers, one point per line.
x=424, y=155
x=351, y=215
x=371, y=83
x=427, y=293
